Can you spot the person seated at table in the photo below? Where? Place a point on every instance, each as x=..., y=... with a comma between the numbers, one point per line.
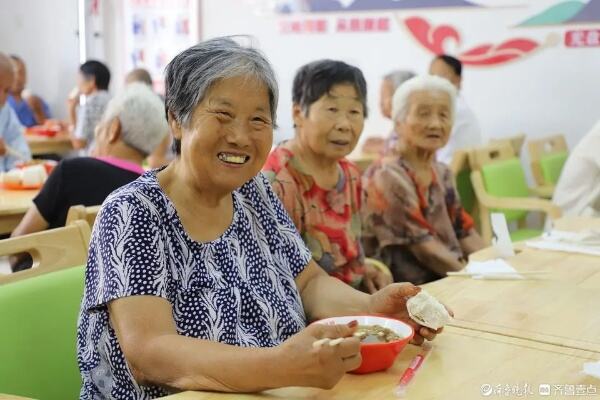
x=317, y=185
x=138, y=75
x=196, y=277
x=466, y=131
x=132, y=126
x=413, y=219
x=92, y=82
x=389, y=84
x=13, y=146
x=31, y=109
x=577, y=192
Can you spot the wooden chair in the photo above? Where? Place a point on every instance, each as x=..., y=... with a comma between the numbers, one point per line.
x=363, y=161
x=516, y=142
x=82, y=212
x=50, y=250
x=547, y=157
x=500, y=186
x=461, y=170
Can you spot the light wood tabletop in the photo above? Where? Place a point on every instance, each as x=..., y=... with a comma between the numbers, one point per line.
x=59, y=144
x=13, y=205
x=546, y=310
x=460, y=364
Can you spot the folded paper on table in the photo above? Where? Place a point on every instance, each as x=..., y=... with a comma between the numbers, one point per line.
x=585, y=242
x=492, y=269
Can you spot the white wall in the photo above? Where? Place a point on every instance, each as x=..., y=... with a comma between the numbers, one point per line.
x=554, y=90
x=44, y=34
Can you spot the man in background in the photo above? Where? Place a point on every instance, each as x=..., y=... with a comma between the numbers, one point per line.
x=465, y=130
x=30, y=109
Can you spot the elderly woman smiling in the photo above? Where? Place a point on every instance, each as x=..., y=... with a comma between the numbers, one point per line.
x=318, y=187
x=413, y=218
x=196, y=276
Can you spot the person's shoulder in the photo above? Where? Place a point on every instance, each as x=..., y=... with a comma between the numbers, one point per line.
x=143, y=193
x=350, y=168
x=101, y=97
x=278, y=162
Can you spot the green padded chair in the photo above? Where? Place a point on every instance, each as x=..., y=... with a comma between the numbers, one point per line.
x=551, y=166
x=500, y=186
x=38, y=328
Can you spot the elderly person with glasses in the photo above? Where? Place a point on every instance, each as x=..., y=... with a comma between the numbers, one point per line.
x=197, y=278
x=413, y=218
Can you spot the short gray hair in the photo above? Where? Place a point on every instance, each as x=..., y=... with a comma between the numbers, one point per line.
x=191, y=74
x=398, y=77
x=140, y=112
x=400, y=101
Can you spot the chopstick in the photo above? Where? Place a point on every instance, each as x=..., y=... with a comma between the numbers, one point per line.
x=324, y=341
x=461, y=273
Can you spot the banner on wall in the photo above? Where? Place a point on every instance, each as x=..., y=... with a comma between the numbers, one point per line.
x=156, y=31
x=564, y=17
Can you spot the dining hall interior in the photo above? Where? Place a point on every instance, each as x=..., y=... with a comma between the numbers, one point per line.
x=299, y=199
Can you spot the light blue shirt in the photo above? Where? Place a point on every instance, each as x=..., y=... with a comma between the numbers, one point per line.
x=11, y=131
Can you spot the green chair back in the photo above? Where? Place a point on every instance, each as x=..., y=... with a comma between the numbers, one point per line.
x=552, y=165
x=506, y=178
x=38, y=329
x=464, y=187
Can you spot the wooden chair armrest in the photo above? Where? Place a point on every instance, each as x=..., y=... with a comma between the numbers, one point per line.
x=379, y=265
x=543, y=191
x=512, y=203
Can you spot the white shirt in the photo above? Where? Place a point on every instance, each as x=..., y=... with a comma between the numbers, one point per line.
x=465, y=132
x=578, y=188
x=11, y=131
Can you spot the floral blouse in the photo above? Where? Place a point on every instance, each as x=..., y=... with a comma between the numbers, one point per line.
x=328, y=219
x=398, y=212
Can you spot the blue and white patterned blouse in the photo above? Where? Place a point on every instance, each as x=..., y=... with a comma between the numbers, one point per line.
x=238, y=289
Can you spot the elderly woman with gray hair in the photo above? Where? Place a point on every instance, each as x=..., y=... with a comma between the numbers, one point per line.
x=131, y=127
x=413, y=219
x=197, y=278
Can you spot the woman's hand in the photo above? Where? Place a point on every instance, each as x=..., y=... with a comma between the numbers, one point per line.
x=322, y=366
x=375, y=278
x=391, y=301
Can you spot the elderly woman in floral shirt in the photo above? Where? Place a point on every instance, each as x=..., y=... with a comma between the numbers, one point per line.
x=413, y=219
x=319, y=188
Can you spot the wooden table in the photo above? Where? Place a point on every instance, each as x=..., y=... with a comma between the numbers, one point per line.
x=59, y=144
x=13, y=205
x=459, y=364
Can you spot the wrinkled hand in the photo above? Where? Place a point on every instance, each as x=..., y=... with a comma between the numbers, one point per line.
x=375, y=278
x=391, y=301
x=322, y=366
x=2, y=148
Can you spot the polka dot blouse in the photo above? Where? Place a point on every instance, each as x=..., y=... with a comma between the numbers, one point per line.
x=238, y=289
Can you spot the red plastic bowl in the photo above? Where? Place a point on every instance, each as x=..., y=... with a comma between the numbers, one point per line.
x=376, y=356
x=43, y=130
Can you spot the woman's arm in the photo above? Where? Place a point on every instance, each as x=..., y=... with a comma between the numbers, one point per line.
x=157, y=355
x=436, y=256
x=471, y=243
x=324, y=296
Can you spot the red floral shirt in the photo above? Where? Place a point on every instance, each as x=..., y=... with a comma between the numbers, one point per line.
x=327, y=219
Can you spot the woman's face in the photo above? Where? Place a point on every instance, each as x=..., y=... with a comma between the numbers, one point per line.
x=333, y=124
x=230, y=134
x=429, y=120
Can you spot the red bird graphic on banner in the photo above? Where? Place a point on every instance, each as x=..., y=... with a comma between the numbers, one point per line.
x=433, y=39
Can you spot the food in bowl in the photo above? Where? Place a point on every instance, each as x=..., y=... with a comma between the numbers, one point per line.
x=375, y=334
x=376, y=356
x=27, y=177
x=426, y=310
